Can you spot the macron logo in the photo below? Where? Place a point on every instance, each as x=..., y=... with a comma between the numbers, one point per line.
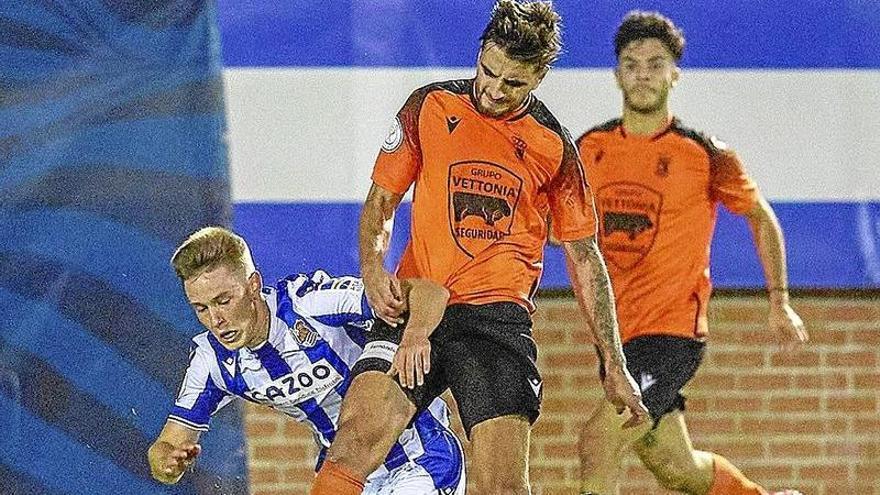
x=536, y=386
x=452, y=123
x=647, y=381
x=229, y=363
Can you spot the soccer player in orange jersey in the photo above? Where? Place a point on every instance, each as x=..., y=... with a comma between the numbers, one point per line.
x=657, y=185
x=490, y=164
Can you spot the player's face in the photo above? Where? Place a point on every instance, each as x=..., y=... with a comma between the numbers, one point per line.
x=502, y=84
x=645, y=73
x=225, y=301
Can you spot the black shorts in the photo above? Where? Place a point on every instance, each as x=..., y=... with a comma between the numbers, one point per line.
x=662, y=365
x=484, y=353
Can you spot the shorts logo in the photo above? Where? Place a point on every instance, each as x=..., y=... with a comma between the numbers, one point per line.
x=305, y=335
x=535, y=383
x=646, y=381
x=394, y=138
x=629, y=214
x=482, y=202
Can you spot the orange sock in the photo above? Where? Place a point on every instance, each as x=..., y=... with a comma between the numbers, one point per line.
x=730, y=481
x=335, y=479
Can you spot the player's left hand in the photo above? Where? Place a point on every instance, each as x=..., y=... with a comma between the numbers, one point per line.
x=787, y=325
x=623, y=393
x=179, y=460
x=412, y=361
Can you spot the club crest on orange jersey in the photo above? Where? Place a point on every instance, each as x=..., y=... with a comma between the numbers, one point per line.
x=519, y=147
x=482, y=202
x=305, y=335
x=662, y=169
x=629, y=214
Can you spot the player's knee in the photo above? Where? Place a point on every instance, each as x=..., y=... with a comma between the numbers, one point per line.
x=363, y=432
x=364, y=428
x=672, y=481
x=676, y=476
x=493, y=482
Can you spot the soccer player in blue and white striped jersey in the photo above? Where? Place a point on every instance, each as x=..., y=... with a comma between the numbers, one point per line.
x=291, y=347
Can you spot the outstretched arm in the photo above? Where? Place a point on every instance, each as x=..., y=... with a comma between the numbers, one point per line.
x=175, y=450
x=427, y=303
x=770, y=245
x=377, y=220
x=592, y=288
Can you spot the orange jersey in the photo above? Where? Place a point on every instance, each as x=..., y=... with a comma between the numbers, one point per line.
x=656, y=197
x=484, y=188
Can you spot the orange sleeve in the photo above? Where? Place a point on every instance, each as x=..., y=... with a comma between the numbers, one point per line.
x=571, y=200
x=730, y=184
x=400, y=158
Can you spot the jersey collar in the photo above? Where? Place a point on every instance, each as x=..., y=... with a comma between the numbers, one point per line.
x=516, y=114
x=649, y=137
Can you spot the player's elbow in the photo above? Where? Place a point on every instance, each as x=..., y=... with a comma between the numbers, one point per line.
x=424, y=289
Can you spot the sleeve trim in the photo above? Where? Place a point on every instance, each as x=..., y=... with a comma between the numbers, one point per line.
x=187, y=424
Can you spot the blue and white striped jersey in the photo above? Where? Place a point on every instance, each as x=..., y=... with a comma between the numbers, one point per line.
x=316, y=333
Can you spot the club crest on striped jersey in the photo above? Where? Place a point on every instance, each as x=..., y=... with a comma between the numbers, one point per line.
x=482, y=203
x=305, y=335
x=394, y=138
x=629, y=214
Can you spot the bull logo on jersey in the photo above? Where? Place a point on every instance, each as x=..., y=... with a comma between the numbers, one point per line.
x=305, y=335
x=629, y=214
x=482, y=202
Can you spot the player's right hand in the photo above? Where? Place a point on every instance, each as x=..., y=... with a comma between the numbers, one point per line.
x=179, y=460
x=623, y=393
x=385, y=296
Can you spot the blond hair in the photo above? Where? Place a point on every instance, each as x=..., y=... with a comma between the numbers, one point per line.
x=528, y=32
x=209, y=248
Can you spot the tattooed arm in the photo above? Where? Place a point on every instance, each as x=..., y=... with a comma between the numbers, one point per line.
x=592, y=288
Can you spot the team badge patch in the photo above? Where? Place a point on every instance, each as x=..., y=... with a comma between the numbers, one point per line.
x=629, y=215
x=394, y=138
x=305, y=335
x=662, y=169
x=482, y=202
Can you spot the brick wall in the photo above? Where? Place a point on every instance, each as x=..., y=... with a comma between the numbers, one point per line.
x=809, y=419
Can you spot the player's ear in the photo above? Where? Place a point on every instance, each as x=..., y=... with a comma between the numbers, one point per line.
x=255, y=283
x=676, y=73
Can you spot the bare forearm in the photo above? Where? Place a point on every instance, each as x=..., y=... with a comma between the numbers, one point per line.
x=376, y=224
x=770, y=246
x=427, y=303
x=592, y=288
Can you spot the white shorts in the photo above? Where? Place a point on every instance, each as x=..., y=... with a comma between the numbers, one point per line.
x=409, y=479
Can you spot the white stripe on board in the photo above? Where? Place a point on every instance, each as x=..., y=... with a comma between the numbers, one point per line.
x=312, y=134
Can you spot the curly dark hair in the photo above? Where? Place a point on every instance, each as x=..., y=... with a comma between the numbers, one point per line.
x=527, y=31
x=638, y=25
